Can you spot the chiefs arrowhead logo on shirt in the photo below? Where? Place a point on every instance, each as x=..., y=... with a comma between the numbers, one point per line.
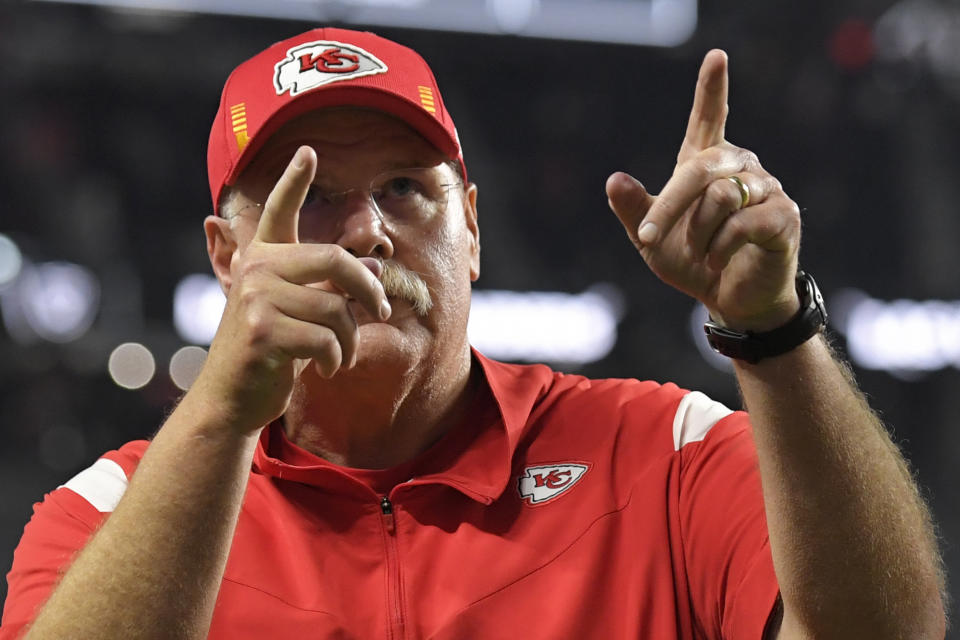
x=545, y=482
x=313, y=64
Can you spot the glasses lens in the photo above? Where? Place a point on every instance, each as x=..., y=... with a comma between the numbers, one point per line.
x=411, y=195
x=402, y=196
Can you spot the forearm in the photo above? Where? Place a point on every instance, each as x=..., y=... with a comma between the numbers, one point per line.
x=852, y=541
x=154, y=568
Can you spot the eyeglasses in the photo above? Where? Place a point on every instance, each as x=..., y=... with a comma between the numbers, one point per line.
x=400, y=197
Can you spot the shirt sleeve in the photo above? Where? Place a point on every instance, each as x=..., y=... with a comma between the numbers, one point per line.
x=726, y=547
x=60, y=527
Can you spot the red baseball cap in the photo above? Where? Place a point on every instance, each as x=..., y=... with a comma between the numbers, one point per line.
x=324, y=67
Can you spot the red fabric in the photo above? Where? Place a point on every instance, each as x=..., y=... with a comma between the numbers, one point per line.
x=648, y=543
x=59, y=528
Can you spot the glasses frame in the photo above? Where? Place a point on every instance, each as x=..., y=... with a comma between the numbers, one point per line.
x=341, y=196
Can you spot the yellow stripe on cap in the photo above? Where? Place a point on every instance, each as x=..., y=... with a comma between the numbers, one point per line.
x=242, y=139
x=238, y=120
x=426, y=98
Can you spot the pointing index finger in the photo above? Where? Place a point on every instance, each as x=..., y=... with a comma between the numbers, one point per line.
x=281, y=212
x=708, y=117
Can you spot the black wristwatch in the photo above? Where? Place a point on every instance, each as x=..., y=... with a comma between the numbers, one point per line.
x=752, y=346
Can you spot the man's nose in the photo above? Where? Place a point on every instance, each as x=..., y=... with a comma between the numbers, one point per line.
x=363, y=232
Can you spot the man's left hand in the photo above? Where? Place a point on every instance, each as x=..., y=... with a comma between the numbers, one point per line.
x=739, y=261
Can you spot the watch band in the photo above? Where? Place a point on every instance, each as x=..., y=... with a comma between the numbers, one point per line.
x=753, y=346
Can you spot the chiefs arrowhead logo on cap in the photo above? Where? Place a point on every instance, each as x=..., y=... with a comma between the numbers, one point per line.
x=545, y=482
x=314, y=64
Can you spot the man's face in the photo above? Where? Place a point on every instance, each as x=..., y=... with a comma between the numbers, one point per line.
x=353, y=147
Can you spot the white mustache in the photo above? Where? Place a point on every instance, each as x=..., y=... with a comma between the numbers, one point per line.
x=400, y=282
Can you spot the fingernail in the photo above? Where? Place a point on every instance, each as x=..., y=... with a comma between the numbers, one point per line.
x=385, y=310
x=300, y=158
x=647, y=233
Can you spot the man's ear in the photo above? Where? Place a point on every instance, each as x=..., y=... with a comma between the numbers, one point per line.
x=473, y=228
x=221, y=245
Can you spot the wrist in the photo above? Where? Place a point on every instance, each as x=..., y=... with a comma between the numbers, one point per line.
x=215, y=414
x=776, y=315
x=752, y=346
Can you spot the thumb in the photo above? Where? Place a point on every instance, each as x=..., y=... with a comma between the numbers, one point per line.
x=629, y=200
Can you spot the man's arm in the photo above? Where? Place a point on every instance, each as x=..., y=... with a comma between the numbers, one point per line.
x=851, y=540
x=154, y=568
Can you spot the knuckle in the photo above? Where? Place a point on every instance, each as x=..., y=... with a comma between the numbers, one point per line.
x=794, y=210
x=699, y=169
x=736, y=226
x=719, y=194
x=767, y=227
x=252, y=263
x=259, y=326
x=334, y=255
x=749, y=159
x=793, y=223
x=245, y=268
x=789, y=208
x=248, y=294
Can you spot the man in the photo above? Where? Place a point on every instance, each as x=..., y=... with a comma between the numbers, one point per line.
x=346, y=467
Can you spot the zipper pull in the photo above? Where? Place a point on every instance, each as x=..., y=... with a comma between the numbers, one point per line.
x=387, y=508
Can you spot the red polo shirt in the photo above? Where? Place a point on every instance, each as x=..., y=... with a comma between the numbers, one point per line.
x=572, y=508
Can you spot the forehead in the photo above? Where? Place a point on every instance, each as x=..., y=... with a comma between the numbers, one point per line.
x=348, y=140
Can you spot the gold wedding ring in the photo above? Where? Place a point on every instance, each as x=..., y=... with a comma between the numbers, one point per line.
x=744, y=190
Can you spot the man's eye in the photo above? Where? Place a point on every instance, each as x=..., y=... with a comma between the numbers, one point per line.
x=318, y=197
x=399, y=187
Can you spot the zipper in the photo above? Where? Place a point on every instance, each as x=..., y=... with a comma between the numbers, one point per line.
x=395, y=617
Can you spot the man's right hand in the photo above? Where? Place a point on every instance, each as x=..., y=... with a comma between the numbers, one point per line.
x=287, y=304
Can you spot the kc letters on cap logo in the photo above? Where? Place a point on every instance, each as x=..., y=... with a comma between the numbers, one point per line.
x=546, y=482
x=314, y=64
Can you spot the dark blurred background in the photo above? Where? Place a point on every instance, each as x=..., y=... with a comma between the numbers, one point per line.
x=853, y=104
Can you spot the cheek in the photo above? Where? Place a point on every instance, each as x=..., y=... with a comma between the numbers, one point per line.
x=449, y=251
x=449, y=278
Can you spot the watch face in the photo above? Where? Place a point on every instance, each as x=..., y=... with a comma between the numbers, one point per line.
x=812, y=290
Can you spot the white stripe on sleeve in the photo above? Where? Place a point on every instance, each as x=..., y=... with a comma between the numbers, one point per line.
x=695, y=416
x=102, y=484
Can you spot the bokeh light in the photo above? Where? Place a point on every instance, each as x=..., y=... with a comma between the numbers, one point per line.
x=198, y=305
x=185, y=365
x=11, y=261
x=59, y=299
x=131, y=365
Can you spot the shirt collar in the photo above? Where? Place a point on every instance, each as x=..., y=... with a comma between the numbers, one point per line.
x=475, y=459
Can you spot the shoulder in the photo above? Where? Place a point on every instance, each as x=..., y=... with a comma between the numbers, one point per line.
x=98, y=488
x=60, y=526
x=660, y=418
x=538, y=388
x=659, y=412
